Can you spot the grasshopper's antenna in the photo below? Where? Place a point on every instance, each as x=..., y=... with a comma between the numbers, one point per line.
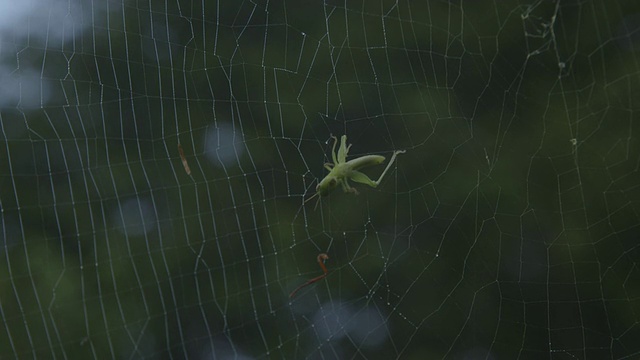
x=317, y=202
x=306, y=201
x=314, y=195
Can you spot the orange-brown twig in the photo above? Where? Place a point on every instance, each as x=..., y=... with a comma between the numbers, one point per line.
x=321, y=258
x=184, y=160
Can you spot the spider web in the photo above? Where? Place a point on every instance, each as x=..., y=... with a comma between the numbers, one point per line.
x=508, y=229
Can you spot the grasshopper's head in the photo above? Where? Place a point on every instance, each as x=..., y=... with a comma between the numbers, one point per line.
x=326, y=185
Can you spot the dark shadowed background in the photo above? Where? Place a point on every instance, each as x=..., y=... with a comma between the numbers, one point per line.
x=509, y=228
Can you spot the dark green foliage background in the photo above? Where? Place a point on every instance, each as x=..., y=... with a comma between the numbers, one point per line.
x=508, y=230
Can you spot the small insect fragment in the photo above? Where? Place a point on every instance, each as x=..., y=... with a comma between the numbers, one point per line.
x=187, y=169
x=321, y=258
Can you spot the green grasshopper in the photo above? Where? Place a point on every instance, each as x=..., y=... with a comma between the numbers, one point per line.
x=341, y=170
